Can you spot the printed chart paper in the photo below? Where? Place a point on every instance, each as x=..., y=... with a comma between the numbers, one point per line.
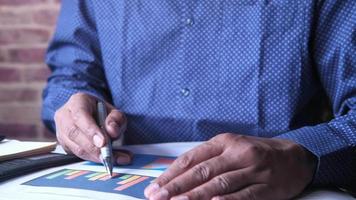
x=126, y=184
x=129, y=184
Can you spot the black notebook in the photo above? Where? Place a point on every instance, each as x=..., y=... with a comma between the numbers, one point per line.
x=21, y=166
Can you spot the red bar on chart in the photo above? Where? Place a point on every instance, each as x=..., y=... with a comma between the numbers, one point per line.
x=123, y=187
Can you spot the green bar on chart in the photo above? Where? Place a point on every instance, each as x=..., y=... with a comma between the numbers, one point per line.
x=58, y=174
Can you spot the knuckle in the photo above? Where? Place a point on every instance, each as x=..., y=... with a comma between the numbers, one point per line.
x=117, y=117
x=175, y=188
x=199, y=194
x=241, y=139
x=223, y=184
x=254, y=150
x=225, y=136
x=72, y=132
x=77, y=114
x=162, y=180
x=201, y=172
x=184, y=161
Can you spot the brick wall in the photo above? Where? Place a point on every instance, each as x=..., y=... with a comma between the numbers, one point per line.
x=26, y=26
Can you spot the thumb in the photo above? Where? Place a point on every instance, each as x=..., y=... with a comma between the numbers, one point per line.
x=122, y=157
x=115, y=123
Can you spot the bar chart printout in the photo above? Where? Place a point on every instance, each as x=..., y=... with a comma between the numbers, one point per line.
x=126, y=184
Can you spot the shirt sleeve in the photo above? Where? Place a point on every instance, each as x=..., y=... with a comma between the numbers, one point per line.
x=74, y=59
x=334, y=53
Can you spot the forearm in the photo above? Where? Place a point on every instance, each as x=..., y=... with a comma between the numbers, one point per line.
x=74, y=58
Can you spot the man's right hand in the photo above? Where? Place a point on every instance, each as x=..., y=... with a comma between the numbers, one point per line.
x=78, y=133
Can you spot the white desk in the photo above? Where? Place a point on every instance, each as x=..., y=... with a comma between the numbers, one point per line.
x=14, y=190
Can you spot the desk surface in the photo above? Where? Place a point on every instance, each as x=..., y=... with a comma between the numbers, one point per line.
x=14, y=190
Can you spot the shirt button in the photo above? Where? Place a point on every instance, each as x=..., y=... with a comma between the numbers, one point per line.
x=185, y=92
x=189, y=21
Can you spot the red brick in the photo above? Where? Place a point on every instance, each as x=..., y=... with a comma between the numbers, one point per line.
x=9, y=75
x=46, y=17
x=14, y=130
x=21, y=2
x=33, y=75
x=21, y=36
x=19, y=95
x=9, y=17
x=20, y=113
x=26, y=55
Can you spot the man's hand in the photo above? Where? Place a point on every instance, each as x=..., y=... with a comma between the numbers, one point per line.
x=231, y=166
x=78, y=132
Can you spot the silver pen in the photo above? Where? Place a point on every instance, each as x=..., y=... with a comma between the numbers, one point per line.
x=106, y=151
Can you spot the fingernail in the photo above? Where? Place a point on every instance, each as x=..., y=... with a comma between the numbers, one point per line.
x=98, y=141
x=152, y=188
x=123, y=160
x=162, y=194
x=180, y=198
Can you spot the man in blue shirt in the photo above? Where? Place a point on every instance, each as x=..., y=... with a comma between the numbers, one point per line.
x=242, y=75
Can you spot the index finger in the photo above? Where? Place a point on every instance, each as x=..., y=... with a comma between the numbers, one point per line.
x=83, y=119
x=189, y=159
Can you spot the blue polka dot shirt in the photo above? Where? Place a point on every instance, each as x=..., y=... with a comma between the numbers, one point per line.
x=189, y=70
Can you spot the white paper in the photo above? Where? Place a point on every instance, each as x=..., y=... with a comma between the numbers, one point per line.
x=10, y=147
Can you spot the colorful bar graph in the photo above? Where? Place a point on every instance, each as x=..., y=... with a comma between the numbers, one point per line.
x=80, y=173
x=126, y=184
x=123, y=187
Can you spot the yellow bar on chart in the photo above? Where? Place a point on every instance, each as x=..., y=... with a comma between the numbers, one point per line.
x=72, y=172
x=94, y=178
x=128, y=180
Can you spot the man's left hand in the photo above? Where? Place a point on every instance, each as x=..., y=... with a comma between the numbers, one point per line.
x=232, y=166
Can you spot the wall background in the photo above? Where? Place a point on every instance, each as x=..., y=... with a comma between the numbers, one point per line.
x=26, y=26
